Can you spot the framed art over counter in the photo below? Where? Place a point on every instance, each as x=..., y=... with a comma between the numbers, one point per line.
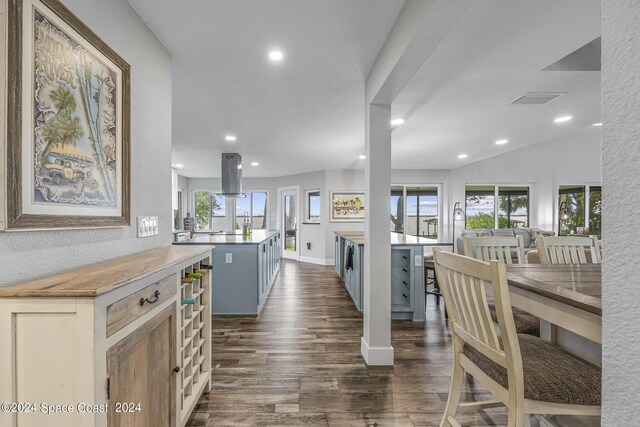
x=347, y=206
x=68, y=123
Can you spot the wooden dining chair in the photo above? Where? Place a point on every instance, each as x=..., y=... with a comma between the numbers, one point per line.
x=509, y=250
x=524, y=373
x=568, y=250
x=499, y=248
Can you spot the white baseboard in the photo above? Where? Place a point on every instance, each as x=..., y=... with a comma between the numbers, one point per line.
x=319, y=261
x=376, y=355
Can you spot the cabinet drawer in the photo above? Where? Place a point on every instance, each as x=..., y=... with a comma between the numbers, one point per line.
x=128, y=309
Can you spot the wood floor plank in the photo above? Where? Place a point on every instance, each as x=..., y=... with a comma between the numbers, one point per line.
x=298, y=364
x=380, y=419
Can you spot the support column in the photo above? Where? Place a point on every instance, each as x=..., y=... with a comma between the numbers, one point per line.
x=376, y=343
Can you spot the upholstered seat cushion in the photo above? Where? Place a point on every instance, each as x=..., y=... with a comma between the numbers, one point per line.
x=525, y=323
x=550, y=374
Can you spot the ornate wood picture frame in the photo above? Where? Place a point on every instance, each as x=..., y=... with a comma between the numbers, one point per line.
x=67, y=125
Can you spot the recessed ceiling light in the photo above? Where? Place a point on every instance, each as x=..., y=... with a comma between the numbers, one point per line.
x=179, y=165
x=362, y=157
x=255, y=164
x=397, y=121
x=230, y=138
x=463, y=156
x=597, y=124
x=276, y=55
x=562, y=119
x=502, y=141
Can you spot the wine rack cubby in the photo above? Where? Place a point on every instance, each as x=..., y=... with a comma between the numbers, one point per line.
x=195, y=335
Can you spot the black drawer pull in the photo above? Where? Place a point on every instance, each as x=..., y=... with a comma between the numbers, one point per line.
x=404, y=257
x=156, y=295
x=176, y=369
x=405, y=270
x=404, y=295
x=405, y=283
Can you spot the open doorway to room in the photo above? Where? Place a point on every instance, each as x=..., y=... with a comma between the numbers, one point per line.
x=289, y=218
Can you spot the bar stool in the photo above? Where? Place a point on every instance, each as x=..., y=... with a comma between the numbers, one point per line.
x=429, y=265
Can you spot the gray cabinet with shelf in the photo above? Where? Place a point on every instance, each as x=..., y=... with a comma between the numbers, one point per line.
x=407, y=275
x=244, y=269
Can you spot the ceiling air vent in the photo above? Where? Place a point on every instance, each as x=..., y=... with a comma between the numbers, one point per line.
x=537, y=98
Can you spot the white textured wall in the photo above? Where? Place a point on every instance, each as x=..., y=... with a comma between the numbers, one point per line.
x=26, y=255
x=621, y=179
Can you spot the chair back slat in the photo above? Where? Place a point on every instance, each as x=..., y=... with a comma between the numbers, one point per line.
x=569, y=250
x=486, y=328
x=496, y=248
x=463, y=282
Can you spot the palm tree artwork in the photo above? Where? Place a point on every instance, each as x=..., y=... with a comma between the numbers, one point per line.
x=64, y=128
x=76, y=155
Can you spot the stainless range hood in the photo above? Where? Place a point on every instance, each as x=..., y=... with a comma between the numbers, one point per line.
x=232, y=175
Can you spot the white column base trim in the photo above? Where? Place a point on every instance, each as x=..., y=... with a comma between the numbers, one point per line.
x=376, y=355
x=319, y=261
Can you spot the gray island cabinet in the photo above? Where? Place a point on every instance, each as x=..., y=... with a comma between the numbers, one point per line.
x=244, y=269
x=407, y=271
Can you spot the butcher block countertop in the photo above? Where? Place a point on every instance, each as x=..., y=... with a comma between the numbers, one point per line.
x=103, y=277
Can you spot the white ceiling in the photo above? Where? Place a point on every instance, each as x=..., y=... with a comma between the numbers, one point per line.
x=459, y=101
x=307, y=112
x=303, y=114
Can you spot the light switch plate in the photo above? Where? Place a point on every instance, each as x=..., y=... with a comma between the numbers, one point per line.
x=228, y=258
x=147, y=226
x=418, y=260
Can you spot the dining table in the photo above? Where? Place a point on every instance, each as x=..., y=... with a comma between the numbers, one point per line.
x=567, y=299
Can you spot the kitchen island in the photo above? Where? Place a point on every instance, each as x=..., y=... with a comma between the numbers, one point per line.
x=407, y=271
x=244, y=269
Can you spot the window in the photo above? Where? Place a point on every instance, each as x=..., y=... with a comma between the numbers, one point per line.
x=422, y=212
x=513, y=207
x=177, y=213
x=414, y=210
x=253, y=208
x=209, y=210
x=397, y=209
x=579, y=205
x=480, y=207
x=595, y=210
x=313, y=205
x=510, y=211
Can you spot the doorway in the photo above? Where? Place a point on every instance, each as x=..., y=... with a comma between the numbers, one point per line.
x=289, y=208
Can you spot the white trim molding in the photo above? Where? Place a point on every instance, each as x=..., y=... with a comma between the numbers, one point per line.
x=380, y=356
x=319, y=261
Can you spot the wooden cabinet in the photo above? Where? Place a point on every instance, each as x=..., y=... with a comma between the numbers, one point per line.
x=141, y=371
x=120, y=343
x=130, y=308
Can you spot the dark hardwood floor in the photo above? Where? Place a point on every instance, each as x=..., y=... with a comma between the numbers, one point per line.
x=299, y=363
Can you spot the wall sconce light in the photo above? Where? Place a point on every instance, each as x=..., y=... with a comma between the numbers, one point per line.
x=458, y=215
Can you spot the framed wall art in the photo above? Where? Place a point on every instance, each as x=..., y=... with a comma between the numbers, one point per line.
x=68, y=123
x=347, y=206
